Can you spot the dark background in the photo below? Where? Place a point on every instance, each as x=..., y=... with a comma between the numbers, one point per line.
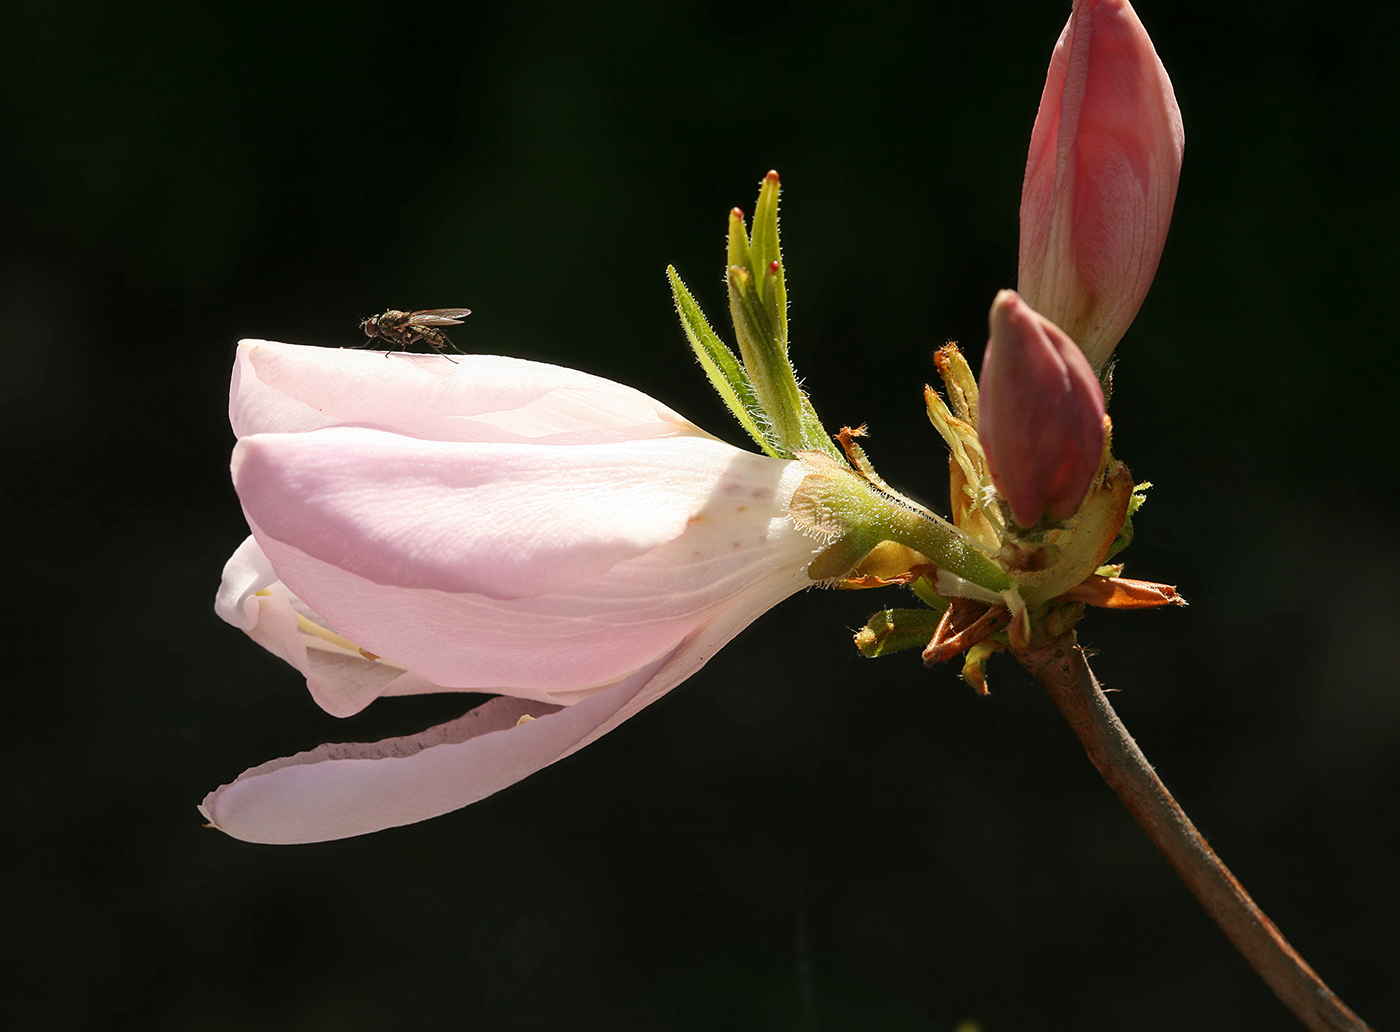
x=796, y=838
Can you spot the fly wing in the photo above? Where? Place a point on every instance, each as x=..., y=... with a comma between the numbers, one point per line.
x=439, y=317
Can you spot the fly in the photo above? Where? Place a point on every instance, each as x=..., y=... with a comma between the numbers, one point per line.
x=403, y=328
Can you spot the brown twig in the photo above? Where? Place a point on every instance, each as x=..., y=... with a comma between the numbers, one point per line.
x=1061, y=669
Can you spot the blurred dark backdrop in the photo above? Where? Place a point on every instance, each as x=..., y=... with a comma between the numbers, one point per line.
x=796, y=838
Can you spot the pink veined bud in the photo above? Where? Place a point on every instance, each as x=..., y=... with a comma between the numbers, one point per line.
x=1041, y=414
x=1101, y=177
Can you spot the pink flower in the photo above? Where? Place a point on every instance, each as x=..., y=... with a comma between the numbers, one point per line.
x=1101, y=177
x=1041, y=414
x=494, y=525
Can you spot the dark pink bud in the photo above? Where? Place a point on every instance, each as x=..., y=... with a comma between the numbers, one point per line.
x=1101, y=177
x=1040, y=416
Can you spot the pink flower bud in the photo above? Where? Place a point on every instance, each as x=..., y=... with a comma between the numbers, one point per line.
x=1041, y=414
x=1101, y=177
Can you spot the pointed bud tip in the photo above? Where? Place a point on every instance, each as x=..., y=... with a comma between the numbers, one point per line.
x=771, y=177
x=1010, y=309
x=1004, y=301
x=736, y=213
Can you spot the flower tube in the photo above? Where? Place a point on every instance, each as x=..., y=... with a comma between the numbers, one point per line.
x=1101, y=177
x=1041, y=419
x=563, y=542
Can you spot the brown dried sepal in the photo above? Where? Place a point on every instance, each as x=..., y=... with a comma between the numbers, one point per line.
x=846, y=438
x=1123, y=593
x=966, y=623
x=855, y=454
x=863, y=581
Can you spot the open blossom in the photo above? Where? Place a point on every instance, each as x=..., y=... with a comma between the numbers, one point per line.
x=563, y=542
x=1101, y=177
x=1041, y=422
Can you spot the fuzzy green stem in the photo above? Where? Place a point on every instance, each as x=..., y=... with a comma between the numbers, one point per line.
x=943, y=543
x=834, y=500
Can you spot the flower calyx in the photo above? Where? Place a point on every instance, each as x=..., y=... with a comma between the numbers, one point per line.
x=875, y=536
x=1052, y=569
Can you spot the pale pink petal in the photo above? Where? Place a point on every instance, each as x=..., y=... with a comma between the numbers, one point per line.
x=285, y=388
x=480, y=567
x=245, y=574
x=337, y=791
x=422, y=525
x=342, y=680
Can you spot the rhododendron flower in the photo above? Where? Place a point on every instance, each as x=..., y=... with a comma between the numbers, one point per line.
x=1041, y=421
x=494, y=525
x=1101, y=177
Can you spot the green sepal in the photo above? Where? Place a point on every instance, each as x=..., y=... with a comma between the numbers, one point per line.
x=815, y=434
x=738, y=252
x=726, y=374
x=765, y=252
x=923, y=587
x=758, y=385
x=1125, y=533
x=765, y=359
x=895, y=630
x=758, y=306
